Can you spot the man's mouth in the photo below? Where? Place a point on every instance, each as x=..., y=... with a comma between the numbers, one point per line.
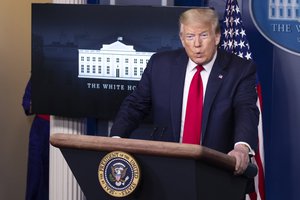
x=198, y=54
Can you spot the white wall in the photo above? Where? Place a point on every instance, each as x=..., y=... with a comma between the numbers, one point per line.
x=15, y=59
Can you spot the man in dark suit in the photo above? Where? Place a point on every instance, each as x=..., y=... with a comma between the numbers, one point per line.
x=229, y=116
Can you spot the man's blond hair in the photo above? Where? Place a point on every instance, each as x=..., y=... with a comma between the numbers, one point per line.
x=200, y=15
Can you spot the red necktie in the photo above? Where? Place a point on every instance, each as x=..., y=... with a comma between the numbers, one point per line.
x=193, y=116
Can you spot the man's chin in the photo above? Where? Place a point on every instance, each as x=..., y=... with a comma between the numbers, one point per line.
x=199, y=60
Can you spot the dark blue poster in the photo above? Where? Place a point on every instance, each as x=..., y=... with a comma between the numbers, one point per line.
x=87, y=58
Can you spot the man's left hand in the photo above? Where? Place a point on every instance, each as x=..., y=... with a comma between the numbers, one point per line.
x=241, y=154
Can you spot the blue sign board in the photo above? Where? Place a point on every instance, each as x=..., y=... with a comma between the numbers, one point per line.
x=279, y=22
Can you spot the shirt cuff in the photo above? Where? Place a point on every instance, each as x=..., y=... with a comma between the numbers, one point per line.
x=251, y=151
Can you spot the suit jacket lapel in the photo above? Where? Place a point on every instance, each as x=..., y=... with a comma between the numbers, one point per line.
x=177, y=81
x=213, y=85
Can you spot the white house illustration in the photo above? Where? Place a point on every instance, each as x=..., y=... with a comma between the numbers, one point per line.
x=113, y=61
x=284, y=9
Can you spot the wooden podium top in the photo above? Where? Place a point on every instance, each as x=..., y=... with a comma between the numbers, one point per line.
x=146, y=147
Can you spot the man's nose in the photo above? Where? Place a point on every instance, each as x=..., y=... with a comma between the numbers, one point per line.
x=197, y=42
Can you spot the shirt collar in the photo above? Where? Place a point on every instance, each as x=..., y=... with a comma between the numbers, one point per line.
x=207, y=67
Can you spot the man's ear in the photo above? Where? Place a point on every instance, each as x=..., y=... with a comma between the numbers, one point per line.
x=218, y=39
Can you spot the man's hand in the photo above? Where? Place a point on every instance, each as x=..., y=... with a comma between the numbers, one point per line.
x=241, y=154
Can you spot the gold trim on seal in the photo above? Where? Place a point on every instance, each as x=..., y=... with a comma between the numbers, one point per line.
x=119, y=184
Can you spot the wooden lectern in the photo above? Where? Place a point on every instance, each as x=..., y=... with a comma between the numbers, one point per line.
x=169, y=171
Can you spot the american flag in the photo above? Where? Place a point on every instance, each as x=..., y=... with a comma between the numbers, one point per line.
x=233, y=39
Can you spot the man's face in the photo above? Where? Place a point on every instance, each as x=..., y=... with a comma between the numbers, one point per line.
x=200, y=42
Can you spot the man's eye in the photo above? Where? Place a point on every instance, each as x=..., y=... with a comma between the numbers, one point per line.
x=189, y=37
x=204, y=35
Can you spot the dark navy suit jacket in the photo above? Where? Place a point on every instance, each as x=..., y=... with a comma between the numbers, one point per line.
x=230, y=113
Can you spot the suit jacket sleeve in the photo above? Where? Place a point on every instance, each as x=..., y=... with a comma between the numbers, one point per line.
x=135, y=107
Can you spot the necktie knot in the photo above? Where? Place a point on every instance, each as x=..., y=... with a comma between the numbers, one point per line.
x=199, y=68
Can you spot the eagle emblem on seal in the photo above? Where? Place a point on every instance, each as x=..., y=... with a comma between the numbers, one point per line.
x=118, y=174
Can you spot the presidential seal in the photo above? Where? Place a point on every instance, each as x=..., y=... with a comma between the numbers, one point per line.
x=118, y=174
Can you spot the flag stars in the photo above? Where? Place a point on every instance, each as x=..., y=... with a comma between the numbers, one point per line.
x=237, y=9
x=232, y=9
x=231, y=20
x=237, y=21
x=242, y=44
x=248, y=46
x=233, y=34
x=243, y=33
x=228, y=10
x=248, y=56
x=236, y=32
x=224, y=45
x=225, y=33
x=240, y=54
x=226, y=21
x=235, y=44
x=229, y=44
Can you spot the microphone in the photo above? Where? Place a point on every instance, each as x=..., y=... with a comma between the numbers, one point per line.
x=153, y=132
x=162, y=132
x=251, y=171
x=156, y=133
